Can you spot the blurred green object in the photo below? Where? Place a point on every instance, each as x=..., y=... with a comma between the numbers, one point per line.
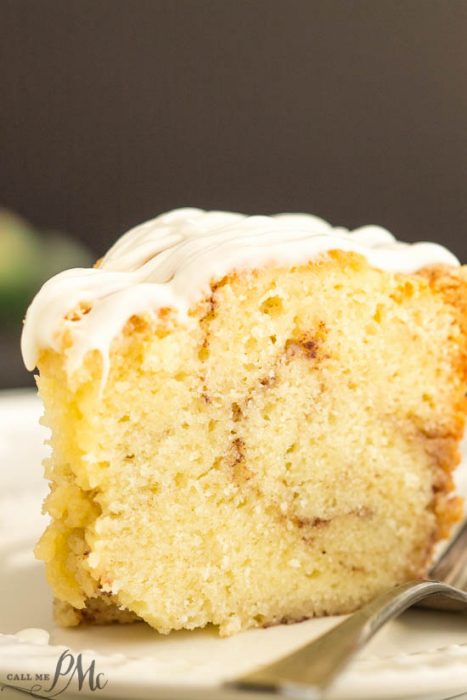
x=27, y=259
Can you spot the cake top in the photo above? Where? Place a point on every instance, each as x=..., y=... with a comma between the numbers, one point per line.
x=171, y=260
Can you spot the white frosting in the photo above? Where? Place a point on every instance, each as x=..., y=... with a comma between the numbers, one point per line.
x=171, y=260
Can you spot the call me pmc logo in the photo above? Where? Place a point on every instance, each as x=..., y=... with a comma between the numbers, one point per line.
x=69, y=669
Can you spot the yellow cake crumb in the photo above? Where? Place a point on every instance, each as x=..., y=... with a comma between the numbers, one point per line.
x=285, y=453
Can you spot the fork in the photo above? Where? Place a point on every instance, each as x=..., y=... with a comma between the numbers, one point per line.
x=307, y=673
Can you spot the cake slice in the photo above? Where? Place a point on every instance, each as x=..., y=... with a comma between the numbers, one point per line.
x=254, y=420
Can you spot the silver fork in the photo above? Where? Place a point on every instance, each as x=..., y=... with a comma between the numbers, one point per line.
x=308, y=672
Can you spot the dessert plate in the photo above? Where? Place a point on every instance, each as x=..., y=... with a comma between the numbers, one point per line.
x=423, y=654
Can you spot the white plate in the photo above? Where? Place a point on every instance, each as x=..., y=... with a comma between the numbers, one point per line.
x=423, y=654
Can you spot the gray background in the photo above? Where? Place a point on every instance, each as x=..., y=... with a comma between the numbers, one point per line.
x=114, y=110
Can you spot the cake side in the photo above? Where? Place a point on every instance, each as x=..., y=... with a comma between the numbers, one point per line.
x=286, y=452
x=451, y=284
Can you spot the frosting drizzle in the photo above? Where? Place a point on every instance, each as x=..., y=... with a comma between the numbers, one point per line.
x=171, y=260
